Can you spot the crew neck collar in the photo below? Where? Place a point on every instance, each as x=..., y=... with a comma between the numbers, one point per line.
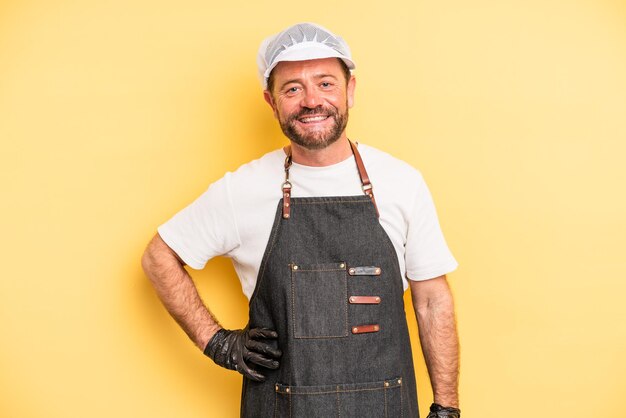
x=348, y=162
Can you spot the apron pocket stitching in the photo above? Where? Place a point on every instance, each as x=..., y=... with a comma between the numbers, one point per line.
x=355, y=399
x=319, y=295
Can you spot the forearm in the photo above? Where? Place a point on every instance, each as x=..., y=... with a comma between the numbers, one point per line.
x=440, y=344
x=178, y=293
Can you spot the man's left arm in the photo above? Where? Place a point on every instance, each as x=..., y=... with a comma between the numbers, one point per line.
x=434, y=310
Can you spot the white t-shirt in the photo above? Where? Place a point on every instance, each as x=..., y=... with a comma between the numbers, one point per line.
x=234, y=217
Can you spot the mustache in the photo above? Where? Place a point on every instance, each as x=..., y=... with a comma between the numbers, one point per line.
x=319, y=110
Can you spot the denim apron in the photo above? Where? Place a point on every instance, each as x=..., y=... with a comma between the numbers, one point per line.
x=330, y=285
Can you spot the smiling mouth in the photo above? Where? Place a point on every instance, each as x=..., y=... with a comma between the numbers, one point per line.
x=313, y=119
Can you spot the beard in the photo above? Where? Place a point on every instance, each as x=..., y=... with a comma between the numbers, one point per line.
x=317, y=139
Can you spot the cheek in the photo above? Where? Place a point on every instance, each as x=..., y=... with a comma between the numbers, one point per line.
x=337, y=99
x=338, y=102
x=285, y=108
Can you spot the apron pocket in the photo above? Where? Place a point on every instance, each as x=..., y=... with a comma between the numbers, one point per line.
x=381, y=399
x=319, y=300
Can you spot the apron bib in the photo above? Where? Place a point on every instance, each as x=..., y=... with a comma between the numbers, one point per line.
x=330, y=285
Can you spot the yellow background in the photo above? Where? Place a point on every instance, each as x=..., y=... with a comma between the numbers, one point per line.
x=116, y=114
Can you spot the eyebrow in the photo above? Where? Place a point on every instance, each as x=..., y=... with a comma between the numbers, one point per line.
x=297, y=80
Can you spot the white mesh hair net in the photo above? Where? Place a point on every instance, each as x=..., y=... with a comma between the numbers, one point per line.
x=303, y=41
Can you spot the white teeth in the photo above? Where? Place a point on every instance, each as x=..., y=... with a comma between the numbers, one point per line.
x=313, y=119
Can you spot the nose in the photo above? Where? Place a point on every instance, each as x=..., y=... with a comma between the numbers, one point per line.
x=311, y=98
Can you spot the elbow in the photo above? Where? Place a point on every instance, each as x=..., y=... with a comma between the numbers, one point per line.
x=440, y=306
x=159, y=261
x=147, y=262
x=150, y=259
x=421, y=310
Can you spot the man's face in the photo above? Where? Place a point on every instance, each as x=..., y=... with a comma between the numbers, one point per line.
x=311, y=99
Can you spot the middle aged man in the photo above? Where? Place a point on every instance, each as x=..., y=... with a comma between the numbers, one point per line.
x=323, y=260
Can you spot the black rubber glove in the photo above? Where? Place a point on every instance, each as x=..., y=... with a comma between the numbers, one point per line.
x=239, y=349
x=438, y=411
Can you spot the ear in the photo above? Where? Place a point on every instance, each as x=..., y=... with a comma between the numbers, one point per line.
x=267, y=95
x=350, y=91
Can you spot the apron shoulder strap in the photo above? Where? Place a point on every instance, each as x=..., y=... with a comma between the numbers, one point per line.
x=287, y=184
x=366, y=184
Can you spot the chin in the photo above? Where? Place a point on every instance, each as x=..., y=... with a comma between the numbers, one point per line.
x=314, y=143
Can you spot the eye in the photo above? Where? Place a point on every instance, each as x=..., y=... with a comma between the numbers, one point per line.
x=292, y=90
x=326, y=84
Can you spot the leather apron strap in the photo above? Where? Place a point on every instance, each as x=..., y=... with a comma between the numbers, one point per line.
x=366, y=184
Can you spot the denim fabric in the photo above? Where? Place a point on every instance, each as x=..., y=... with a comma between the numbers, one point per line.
x=303, y=292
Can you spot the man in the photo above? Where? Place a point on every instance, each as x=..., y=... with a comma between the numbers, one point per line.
x=323, y=260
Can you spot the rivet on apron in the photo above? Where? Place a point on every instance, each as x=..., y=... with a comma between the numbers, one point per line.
x=386, y=384
x=342, y=265
x=276, y=388
x=377, y=299
x=295, y=267
x=287, y=390
x=351, y=271
x=399, y=381
x=376, y=327
x=355, y=329
x=377, y=271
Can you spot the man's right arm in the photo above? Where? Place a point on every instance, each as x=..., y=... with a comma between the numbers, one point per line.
x=177, y=292
x=240, y=350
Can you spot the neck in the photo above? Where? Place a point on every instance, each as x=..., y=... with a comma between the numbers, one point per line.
x=332, y=154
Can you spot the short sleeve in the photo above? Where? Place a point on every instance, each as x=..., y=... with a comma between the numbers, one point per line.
x=204, y=229
x=426, y=253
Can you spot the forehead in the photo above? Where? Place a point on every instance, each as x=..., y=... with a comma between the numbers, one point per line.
x=310, y=68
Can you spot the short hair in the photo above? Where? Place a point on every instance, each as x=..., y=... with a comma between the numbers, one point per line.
x=346, y=73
